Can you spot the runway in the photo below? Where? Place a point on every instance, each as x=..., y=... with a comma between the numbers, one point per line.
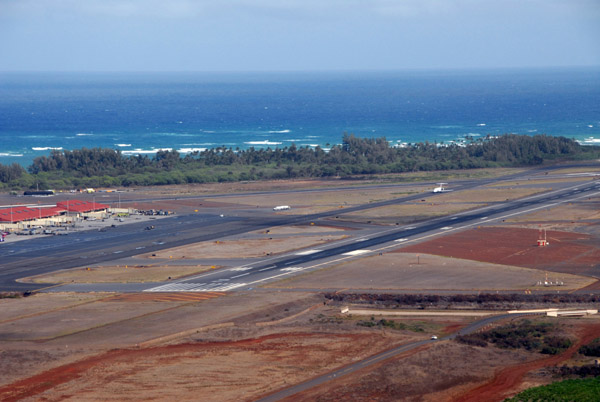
x=256, y=273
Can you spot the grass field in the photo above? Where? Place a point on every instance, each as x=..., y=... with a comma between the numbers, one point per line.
x=580, y=390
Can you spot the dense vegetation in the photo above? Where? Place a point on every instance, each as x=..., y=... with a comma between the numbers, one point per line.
x=583, y=370
x=99, y=167
x=569, y=390
x=481, y=301
x=538, y=337
x=591, y=349
x=391, y=324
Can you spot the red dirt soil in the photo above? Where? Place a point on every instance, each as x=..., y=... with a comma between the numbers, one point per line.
x=30, y=387
x=507, y=379
x=573, y=253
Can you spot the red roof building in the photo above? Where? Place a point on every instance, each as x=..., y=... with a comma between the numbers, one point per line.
x=81, y=206
x=23, y=213
x=20, y=213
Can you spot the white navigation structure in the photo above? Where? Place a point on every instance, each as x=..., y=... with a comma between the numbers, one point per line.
x=281, y=208
x=440, y=188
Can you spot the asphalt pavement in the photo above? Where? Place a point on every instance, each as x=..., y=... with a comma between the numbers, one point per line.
x=44, y=255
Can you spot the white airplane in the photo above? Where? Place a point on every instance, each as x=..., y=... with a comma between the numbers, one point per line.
x=441, y=188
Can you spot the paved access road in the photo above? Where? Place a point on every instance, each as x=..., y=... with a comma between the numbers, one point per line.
x=351, y=368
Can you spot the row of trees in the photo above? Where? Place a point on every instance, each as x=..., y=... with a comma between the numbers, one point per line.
x=539, y=337
x=354, y=156
x=480, y=300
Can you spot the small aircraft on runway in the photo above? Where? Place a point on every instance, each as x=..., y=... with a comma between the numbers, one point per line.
x=441, y=188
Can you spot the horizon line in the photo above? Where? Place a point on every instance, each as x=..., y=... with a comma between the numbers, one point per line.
x=311, y=71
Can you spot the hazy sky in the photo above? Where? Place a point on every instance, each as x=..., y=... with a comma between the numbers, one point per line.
x=241, y=35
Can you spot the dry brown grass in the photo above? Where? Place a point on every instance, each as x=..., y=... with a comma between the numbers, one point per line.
x=432, y=206
x=247, y=248
x=579, y=212
x=320, y=201
x=400, y=271
x=120, y=274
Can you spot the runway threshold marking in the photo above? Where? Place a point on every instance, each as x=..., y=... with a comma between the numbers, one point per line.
x=291, y=269
x=307, y=252
x=236, y=269
x=357, y=252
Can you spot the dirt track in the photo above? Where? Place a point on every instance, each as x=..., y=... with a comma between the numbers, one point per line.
x=508, y=379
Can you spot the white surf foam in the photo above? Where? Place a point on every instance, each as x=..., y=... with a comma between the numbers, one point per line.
x=447, y=126
x=190, y=150
x=589, y=140
x=279, y=132
x=123, y=145
x=265, y=142
x=83, y=135
x=46, y=148
x=139, y=151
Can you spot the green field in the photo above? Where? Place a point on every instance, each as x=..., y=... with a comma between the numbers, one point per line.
x=587, y=390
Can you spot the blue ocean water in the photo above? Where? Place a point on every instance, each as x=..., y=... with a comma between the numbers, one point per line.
x=141, y=113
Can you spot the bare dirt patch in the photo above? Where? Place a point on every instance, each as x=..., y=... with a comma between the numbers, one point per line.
x=568, y=252
x=426, y=272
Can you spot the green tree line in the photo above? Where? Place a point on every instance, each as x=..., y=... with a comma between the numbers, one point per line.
x=98, y=167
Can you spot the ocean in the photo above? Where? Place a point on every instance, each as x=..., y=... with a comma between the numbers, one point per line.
x=142, y=113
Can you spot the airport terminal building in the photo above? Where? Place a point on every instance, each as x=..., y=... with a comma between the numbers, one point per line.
x=21, y=217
